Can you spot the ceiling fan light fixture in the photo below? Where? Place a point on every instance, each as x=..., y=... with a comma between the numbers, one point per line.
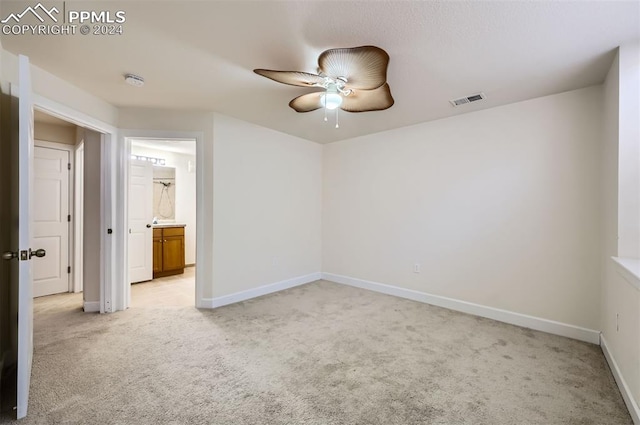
x=331, y=100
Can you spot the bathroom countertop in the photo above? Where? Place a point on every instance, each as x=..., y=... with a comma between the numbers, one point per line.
x=163, y=225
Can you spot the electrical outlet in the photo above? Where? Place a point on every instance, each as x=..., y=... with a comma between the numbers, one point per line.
x=416, y=268
x=274, y=261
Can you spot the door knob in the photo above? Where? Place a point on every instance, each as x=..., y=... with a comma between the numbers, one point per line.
x=38, y=253
x=148, y=226
x=9, y=255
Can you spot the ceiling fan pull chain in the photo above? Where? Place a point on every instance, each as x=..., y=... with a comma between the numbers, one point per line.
x=337, y=121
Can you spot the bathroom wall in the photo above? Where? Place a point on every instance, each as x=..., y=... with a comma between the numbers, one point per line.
x=164, y=193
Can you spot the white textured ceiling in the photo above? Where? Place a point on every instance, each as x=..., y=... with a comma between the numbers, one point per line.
x=200, y=55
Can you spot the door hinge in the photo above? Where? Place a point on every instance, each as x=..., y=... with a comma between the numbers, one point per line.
x=68, y=269
x=68, y=165
x=69, y=218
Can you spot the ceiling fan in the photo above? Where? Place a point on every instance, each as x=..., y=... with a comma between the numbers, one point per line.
x=353, y=79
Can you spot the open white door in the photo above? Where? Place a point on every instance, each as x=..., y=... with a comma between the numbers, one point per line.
x=25, y=286
x=140, y=219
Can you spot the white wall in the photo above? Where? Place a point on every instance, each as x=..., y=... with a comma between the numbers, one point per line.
x=609, y=226
x=54, y=133
x=629, y=152
x=499, y=207
x=60, y=91
x=92, y=231
x=262, y=209
x=160, y=123
x=620, y=298
x=185, y=191
x=267, y=206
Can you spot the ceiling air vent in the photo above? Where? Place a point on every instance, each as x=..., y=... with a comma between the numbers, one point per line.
x=468, y=99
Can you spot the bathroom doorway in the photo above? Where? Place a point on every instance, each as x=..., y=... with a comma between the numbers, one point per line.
x=162, y=221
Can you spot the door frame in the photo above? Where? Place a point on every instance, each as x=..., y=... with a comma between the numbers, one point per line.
x=109, y=243
x=78, y=217
x=70, y=149
x=123, y=297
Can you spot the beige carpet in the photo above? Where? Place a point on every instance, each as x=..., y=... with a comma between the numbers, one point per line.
x=321, y=354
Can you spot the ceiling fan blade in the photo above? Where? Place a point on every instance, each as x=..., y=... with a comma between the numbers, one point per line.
x=293, y=78
x=364, y=67
x=368, y=100
x=307, y=102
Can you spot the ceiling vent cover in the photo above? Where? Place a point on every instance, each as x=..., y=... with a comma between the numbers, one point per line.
x=468, y=99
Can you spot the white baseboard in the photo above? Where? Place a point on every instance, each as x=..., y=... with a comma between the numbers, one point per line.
x=622, y=384
x=259, y=291
x=531, y=322
x=91, y=306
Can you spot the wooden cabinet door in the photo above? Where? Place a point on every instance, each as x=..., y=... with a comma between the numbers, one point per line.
x=157, y=255
x=173, y=253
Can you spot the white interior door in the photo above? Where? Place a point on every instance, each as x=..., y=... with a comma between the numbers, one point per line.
x=51, y=220
x=25, y=287
x=140, y=220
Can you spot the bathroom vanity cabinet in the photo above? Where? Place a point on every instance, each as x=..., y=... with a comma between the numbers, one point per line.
x=168, y=250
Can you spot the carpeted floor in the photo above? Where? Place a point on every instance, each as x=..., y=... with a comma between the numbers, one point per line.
x=320, y=354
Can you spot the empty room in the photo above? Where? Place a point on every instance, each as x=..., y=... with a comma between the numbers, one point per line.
x=320, y=212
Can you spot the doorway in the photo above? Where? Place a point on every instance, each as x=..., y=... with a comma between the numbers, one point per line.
x=162, y=221
x=55, y=143
x=61, y=185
